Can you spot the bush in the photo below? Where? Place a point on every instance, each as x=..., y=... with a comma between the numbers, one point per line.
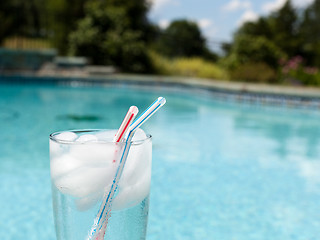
x=106, y=36
x=182, y=38
x=247, y=49
x=197, y=67
x=161, y=65
x=295, y=72
x=191, y=67
x=254, y=72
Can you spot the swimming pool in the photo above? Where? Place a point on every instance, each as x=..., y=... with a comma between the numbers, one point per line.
x=221, y=169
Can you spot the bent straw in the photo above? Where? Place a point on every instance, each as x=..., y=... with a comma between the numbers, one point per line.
x=147, y=113
x=100, y=221
x=131, y=114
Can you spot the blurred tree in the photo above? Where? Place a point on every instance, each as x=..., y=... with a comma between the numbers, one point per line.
x=135, y=11
x=113, y=33
x=62, y=19
x=247, y=49
x=7, y=19
x=254, y=72
x=259, y=28
x=266, y=40
x=182, y=38
x=15, y=19
x=27, y=18
x=272, y=36
x=226, y=48
x=284, y=25
x=40, y=19
x=252, y=58
x=310, y=33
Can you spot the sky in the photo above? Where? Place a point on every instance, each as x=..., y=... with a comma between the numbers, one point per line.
x=217, y=19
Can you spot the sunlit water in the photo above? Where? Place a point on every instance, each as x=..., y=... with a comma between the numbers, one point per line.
x=220, y=170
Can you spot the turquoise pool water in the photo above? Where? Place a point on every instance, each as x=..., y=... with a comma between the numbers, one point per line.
x=221, y=170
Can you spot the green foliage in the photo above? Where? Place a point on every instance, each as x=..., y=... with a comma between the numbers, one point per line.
x=117, y=32
x=281, y=28
x=272, y=37
x=294, y=71
x=285, y=20
x=26, y=43
x=198, y=67
x=19, y=17
x=281, y=35
x=254, y=72
x=47, y=19
x=284, y=24
x=259, y=28
x=108, y=36
x=247, y=49
x=191, y=67
x=161, y=65
x=182, y=38
x=62, y=19
x=310, y=32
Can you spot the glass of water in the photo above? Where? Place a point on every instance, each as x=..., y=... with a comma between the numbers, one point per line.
x=83, y=165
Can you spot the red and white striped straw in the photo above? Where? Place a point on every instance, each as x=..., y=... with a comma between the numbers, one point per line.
x=100, y=223
x=132, y=112
x=128, y=119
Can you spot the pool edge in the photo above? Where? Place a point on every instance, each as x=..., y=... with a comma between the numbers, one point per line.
x=242, y=91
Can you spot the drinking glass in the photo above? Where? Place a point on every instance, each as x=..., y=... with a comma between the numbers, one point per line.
x=83, y=164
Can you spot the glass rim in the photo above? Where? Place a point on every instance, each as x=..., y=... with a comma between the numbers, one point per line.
x=106, y=141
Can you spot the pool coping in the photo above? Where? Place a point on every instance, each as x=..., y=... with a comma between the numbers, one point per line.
x=241, y=91
x=224, y=85
x=261, y=94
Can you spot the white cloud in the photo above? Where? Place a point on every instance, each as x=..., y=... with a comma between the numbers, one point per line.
x=164, y=23
x=273, y=6
x=302, y=3
x=204, y=23
x=207, y=27
x=234, y=5
x=277, y=4
x=157, y=5
x=248, y=16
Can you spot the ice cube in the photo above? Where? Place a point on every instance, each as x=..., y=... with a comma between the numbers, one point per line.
x=87, y=138
x=134, y=184
x=87, y=202
x=66, y=136
x=131, y=195
x=85, y=181
x=64, y=164
x=96, y=154
x=106, y=135
x=138, y=159
x=137, y=163
x=139, y=135
x=55, y=148
x=86, y=169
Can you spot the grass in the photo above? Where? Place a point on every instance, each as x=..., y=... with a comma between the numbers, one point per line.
x=26, y=43
x=190, y=67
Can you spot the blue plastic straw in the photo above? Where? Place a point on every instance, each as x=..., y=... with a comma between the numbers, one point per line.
x=101, y=220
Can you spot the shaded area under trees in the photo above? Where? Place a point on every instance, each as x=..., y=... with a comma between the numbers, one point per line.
x=283, y=47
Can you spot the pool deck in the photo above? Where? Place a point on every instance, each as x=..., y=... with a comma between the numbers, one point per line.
x=261, y=94
x=242, y=91
x=228, y=86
